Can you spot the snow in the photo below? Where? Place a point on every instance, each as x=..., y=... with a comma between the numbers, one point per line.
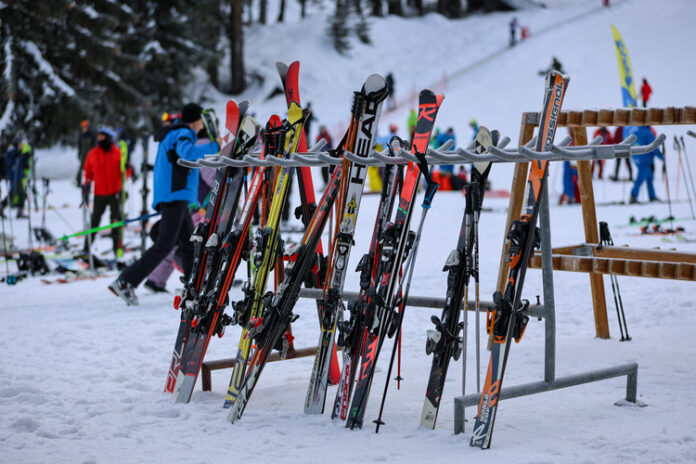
x=46, y=68
x=83, y=373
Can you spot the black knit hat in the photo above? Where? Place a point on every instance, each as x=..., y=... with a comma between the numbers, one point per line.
x=191, y=112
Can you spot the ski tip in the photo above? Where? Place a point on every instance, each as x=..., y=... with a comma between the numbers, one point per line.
x=374, y=83
x=282, y=68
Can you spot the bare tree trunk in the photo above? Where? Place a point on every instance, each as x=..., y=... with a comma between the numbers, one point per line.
x=262, y=11
x=377, y=8
x=281, y=13
x=303, y=5
x=394, y=7
x=236, y=48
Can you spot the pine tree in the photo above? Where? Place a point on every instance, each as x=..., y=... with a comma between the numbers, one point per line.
x=338, y=28
x=120, y=64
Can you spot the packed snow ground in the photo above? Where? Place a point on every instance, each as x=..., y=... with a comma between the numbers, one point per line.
x=84, y=373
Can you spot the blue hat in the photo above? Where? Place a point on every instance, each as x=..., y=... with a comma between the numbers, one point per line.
x=107, y=131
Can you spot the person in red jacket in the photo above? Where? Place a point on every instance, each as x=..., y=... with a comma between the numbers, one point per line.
x=608, y=140
x=103, y=168
x=645, y=92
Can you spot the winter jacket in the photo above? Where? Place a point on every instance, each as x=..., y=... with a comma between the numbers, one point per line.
x=645, y=91
x=171, y=181
x=104, y=169
x=606, y=135
x=644, y=136
x=18, y=163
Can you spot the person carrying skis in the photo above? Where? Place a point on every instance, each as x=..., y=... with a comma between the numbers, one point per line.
x=19, y=159
x=645, y=162
x=645, y=92
x=103, y=168
x=85, y=142
x=608, y=140
x=174, y=188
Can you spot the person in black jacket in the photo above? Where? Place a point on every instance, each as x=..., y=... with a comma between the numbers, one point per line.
x=85, y=142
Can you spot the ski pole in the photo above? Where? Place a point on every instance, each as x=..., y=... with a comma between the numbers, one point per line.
x=688, y=167
x=606, y=239
x=678, y=147
x=669, y=200
x=430, y=190
x=110, y=226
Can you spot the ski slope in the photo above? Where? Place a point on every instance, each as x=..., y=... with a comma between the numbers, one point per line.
x=83, y=373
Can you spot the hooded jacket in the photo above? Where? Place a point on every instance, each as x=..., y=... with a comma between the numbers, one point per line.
x=171, y=181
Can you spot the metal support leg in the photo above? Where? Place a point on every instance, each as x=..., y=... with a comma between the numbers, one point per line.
x=549, y=302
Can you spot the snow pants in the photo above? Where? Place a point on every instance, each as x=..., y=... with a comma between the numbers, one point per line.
x=175, y=228
x=645, y=174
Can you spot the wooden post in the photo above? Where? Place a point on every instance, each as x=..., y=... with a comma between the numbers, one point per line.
x=519, y=183
x=589, y=219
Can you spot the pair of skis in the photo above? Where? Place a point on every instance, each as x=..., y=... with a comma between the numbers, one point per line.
x=374, y=315
x=346, y=183
x=224, y=190
x=444, y=342
x=508, y=319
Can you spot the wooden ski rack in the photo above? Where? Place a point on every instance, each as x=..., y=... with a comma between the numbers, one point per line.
x=622, y=261
x=622, y=258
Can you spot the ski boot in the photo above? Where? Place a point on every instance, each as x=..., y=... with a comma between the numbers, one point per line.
x=125, y=291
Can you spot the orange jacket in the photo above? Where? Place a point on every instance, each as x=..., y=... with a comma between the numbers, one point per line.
x=104, y=169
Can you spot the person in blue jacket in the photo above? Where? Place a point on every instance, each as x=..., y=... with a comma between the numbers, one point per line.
x=447, y=169
x=175, y=187
x=645, y=162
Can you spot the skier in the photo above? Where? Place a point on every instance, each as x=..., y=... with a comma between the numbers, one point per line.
x=85, y=142
x=513, y=31
x=446, y=170
x=391, y=99
x=19, y=159
x=411, y=123
x=103, y=168
x=555, y=66
x=618, y=137
x=324, y=135
x=174, y=188
x=608, y=140
x=157, y=280
x=474, y=127
x=308, y=119
x=645, y=92
x=571, y=192
x=645, y=162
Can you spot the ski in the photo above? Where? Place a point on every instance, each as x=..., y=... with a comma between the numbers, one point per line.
x=201, y=233
x=367, y=106
x=350, y=331
x=444, y=342
x=271, y=329
x=289, y=76
x=267, y=245
x=204, y=315
x=508, y=319
x=396, y=241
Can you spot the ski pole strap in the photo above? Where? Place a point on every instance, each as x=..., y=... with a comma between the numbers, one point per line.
x=430, y=186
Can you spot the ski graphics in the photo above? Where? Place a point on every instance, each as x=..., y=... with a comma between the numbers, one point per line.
x=234, y=115
x=396, y=240
x=289, y=75
x=508, y=320
x=266, y=246
x=444, y=342
x=204, y=316
x=367, y=106
x=271, y=329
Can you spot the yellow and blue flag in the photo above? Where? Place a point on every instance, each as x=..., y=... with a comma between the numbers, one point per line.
x=628, y=88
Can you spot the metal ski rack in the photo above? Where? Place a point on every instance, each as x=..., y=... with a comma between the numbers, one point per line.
x=443, y=155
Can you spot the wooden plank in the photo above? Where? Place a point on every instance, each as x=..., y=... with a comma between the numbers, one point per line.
x=589, y=220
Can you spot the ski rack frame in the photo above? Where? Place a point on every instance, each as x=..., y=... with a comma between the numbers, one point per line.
x=444, y=155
